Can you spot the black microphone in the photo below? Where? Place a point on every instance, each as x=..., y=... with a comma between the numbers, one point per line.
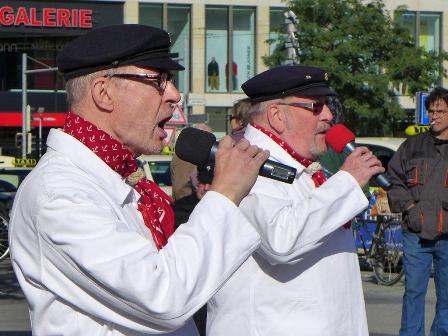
x=199, y=147
x=341, y=139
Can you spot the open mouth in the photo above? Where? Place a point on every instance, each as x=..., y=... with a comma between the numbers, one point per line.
x=162, y=123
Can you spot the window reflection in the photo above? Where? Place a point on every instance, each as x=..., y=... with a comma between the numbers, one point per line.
x=216, y=23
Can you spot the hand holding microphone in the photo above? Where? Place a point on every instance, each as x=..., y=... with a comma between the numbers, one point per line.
x=236, y=167
x=360, y=163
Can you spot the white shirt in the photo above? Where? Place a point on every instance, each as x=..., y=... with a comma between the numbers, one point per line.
x=87, y=263
x=304, y=279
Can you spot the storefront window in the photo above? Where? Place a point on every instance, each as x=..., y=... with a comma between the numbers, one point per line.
x=243, y=38
x=41, y=52
x=179, y=29
x=151, y=15
x=178, y=25
x=276, y=23
x=216, y=28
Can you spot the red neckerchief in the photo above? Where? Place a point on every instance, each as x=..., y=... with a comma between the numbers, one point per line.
x=154, y=204
x=318, y=177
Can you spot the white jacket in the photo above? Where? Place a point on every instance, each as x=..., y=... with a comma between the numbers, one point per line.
x=304, y=279
x=87, y=263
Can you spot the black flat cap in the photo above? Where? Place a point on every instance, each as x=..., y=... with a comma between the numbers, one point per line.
x=288, y=80
x=117, y=45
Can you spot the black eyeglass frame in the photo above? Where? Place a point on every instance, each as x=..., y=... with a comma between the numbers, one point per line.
x=162, y=78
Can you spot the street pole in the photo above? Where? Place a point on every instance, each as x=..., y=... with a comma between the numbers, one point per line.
x=40, y=118
x=24, y=104
x=25, y=72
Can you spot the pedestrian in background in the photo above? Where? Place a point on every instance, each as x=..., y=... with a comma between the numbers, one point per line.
x=182, y=210
x=419, y=176
x=184, y=174
x=239, y=118
x=92, y=240
x=305, y=278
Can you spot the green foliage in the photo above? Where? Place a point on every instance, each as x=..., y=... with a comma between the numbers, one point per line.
x=368, y=55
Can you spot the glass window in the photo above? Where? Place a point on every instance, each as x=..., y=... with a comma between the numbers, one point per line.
x=41, y=52
x=276, y=24
x=216, y=28
x=426, y=32
x=243, y=38
x=429, y=37
x=151, y=15
x=408, y=20
x=179, y=29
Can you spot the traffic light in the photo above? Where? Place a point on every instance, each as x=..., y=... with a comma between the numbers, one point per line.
x=31, y=141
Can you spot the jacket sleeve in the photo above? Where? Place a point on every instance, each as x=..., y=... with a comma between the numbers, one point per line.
x=399, y=195
x=295, y=222
x=117, y=275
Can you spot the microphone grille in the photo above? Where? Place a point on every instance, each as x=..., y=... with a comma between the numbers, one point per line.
x=338, y=136
x=194, y=145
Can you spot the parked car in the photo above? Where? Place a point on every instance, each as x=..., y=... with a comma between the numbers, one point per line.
x=12, y=172
x=384, y=148
x=157, y=168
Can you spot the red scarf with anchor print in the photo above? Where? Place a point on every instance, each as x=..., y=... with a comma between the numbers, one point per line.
x=318, y=177
x=154, y=204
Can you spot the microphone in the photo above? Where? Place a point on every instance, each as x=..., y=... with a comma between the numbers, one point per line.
x=341, y=139
x=199, y=147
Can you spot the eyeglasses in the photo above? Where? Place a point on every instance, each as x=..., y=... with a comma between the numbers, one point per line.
x=431, y=111
x=162, y=78
x=315, y=107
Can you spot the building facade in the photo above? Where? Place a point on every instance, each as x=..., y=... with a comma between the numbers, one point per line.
x=220, y=43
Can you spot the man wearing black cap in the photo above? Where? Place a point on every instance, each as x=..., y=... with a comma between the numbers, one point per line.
x=304, y=279
x=92, y=240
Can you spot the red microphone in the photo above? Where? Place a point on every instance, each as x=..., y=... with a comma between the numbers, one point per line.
x=341, y=139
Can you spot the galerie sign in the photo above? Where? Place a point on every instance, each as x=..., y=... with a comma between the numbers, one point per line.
x=45, y=17
x=56, y=18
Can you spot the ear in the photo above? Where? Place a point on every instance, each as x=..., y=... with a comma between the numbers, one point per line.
x=276, y=118
x=101, y=93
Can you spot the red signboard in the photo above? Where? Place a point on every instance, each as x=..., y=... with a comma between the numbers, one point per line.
x=47, y=17
x=14, y=119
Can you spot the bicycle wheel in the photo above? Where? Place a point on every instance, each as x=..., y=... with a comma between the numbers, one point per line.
x=4, y=244
x=388, y=253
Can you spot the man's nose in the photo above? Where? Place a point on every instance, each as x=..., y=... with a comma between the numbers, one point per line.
x=171, y=93
x=326, y=114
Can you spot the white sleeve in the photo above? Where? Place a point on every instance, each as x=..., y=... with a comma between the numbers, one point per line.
x=118, y=276
x=291, y=224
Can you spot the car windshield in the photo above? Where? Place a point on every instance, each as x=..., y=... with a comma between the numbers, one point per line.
x=161, y=173
x=10, y=179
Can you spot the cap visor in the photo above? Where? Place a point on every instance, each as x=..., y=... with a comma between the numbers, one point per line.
x=316, y=91
x=159, y=64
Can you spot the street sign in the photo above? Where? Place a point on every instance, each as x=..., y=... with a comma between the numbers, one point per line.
x=178, y=117
x=421, y=117
x=171, y=131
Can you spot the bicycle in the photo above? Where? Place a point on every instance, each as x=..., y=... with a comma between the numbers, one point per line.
x=4, y=244
x=380, y=244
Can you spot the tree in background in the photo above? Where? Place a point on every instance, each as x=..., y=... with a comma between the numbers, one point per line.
x=368, y=56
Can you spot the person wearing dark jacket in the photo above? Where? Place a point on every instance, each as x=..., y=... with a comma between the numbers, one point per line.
x=183, y=207
x=419, y=176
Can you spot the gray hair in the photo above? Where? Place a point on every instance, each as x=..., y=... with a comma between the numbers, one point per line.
x=76, y=88
x=261, y=107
